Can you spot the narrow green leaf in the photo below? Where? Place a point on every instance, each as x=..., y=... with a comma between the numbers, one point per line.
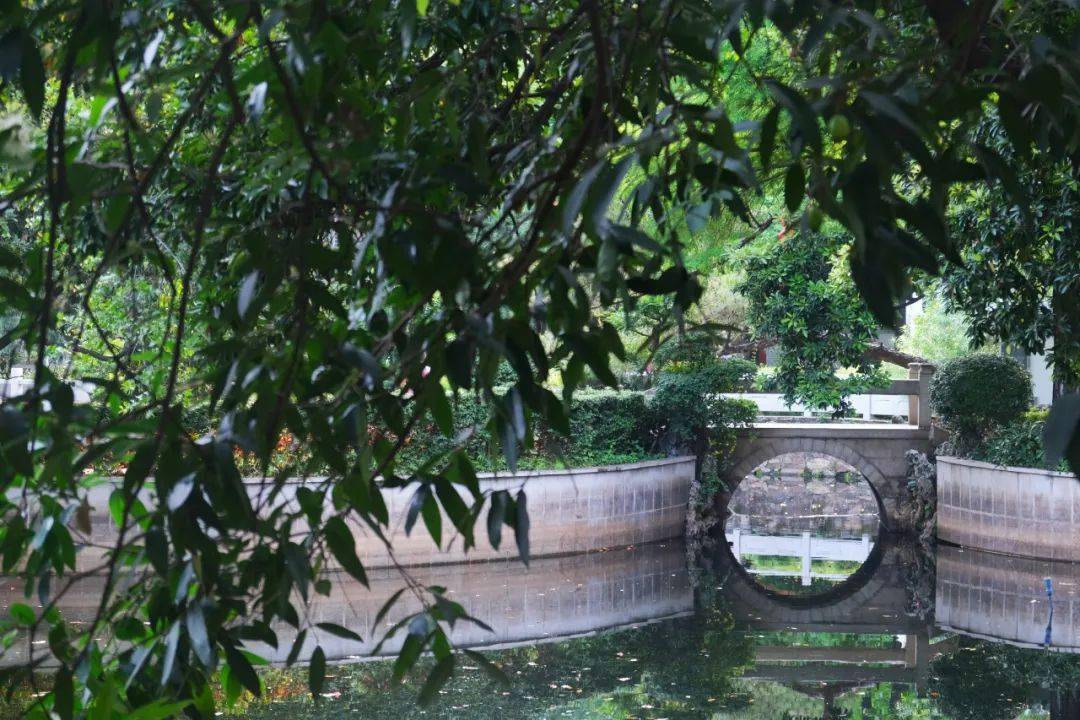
x=407, y=656
x=64, y=694
x=440, y=408
x=32, y=75
x=22, y=614
x=521, y=527
x=343, y=545
x=242, y=670
x=416, y=504
x=317, y=671
x=247, y=292
x=492, y=670
x=195, y=622
x=794, y=186
x=459, y=362
x=432, y=518
x=438, y=677
x=294, y=651
x=386, y=607
x=496, y=516
x=572, y=204
x=180, y=492
x=159, y=710
x=168, y=660
x=768, y=137
x=339, y=631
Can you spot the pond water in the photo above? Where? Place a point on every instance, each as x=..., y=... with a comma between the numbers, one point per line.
x=643, y=633
x=802, y=523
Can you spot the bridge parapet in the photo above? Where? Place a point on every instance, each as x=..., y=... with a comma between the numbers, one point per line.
x=909, y=398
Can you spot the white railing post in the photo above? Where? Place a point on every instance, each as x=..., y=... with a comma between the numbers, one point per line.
x=736, y=544
x=806, y=559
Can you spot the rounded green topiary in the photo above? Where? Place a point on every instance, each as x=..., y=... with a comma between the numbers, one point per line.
x=976, y=393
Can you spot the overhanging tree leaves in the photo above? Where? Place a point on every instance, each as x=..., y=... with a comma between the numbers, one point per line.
x=331, y=219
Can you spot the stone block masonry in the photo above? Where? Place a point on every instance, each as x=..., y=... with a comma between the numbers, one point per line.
x=875, y=450
x=1002, y=597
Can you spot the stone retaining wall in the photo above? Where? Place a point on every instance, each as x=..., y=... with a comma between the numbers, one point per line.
x=1015, y=510
x=570, y=511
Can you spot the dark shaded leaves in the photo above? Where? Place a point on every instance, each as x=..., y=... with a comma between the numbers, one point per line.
x=317, y=671
x=342, y=544
x=1061, y=435
x=438, y=677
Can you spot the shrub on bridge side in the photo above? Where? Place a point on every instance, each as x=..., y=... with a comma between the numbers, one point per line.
x=975, y=395
x=688, y=403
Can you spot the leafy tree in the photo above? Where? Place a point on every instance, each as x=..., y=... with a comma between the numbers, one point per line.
x=352, y=211
x=936, y=333
x=1021, y=274
x=814, y=317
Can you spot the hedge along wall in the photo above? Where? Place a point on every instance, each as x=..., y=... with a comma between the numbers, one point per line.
x=570, y=511
x=607, y=427
x=1015, y=510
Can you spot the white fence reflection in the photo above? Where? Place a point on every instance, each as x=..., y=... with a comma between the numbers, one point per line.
x=805, y=546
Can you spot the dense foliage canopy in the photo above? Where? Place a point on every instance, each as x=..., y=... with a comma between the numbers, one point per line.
x=1020, y=281
x=235, y=219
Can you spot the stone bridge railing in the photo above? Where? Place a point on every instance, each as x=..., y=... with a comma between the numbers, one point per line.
x=804, y=546
x=909, y=398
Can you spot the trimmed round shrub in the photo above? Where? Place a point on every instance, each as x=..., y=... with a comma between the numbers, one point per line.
x=977, y=393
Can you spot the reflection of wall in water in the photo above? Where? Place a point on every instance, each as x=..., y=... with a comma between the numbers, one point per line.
x=1004, y=598
x=553, y=598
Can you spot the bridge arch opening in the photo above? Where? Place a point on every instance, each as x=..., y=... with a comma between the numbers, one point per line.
x=803, y=523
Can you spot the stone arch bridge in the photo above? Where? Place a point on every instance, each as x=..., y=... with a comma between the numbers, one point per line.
x=877, y=450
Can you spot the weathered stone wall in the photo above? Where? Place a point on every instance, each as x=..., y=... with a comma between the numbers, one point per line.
x=1014, y=510
x=1004, y=598
x=571, y=511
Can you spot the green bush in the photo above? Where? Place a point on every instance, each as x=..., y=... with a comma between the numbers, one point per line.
x=976, y=394
x=691, y=351
x=1019, y=443
x=688, y=404
x=606, y=427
